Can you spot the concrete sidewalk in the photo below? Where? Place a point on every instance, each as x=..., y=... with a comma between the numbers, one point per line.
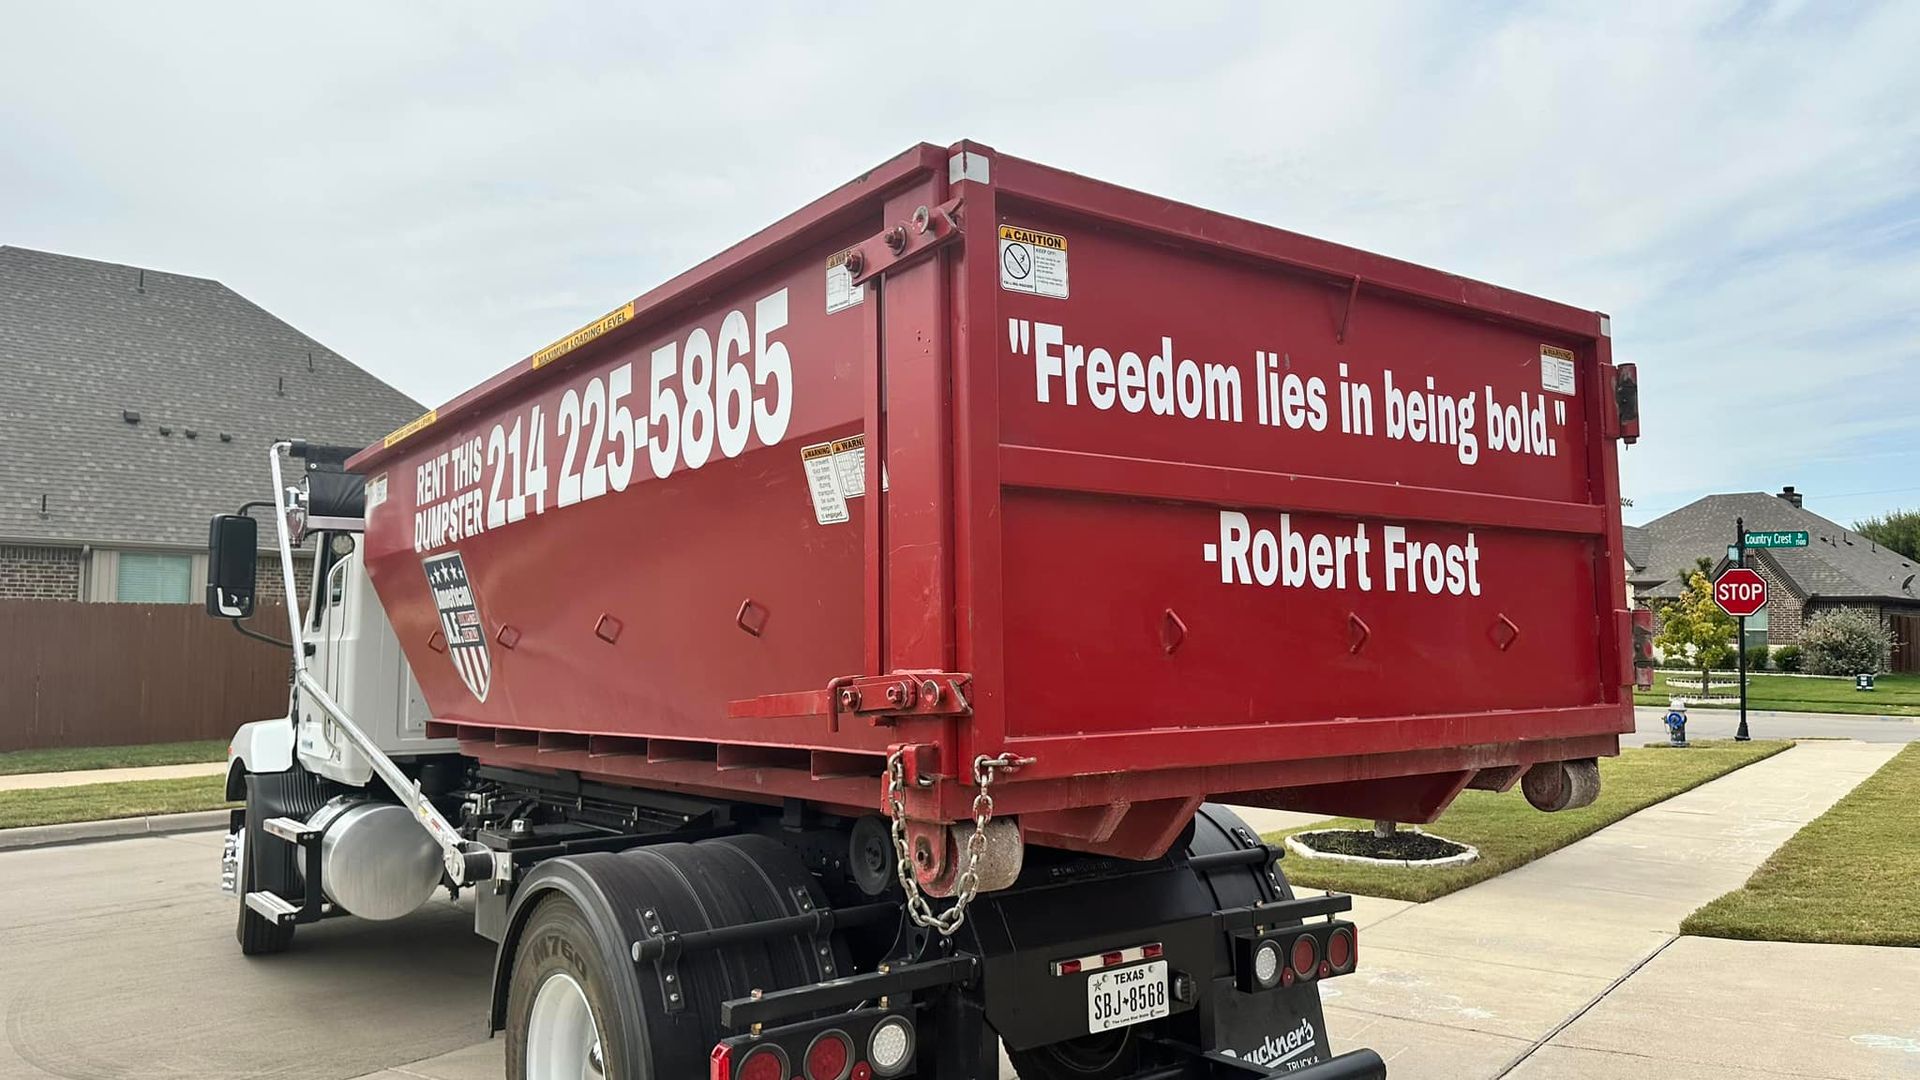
x=1473, y=983
x=30, y=781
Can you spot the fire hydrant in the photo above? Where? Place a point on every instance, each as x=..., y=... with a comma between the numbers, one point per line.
x=1676, y=721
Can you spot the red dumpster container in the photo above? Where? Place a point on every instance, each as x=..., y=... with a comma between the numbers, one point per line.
x=973, y=456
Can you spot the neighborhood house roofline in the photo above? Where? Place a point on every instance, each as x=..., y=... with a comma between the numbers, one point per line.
x=110, y=366
x=1837, y=566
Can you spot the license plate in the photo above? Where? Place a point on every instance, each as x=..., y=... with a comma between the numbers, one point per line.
x=1117, y=997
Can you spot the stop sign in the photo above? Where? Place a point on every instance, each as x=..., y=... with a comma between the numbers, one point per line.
x=1739, y=591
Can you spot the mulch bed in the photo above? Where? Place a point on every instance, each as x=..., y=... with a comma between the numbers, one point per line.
x=1403, y=844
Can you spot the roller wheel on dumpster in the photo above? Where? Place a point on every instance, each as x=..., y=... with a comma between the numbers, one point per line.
x=577, y=1003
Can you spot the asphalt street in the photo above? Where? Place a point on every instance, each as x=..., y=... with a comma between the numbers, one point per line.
x=1650, y=726
x=117, y=960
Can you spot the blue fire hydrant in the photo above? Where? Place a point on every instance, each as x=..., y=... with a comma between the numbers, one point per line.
x=1676, y=722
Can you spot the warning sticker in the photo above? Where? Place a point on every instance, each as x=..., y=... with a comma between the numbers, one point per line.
x=842, y=293
x=850, y=465
x=1556, y=370
x=376, y=493
x=823, y=483
x=1033, y=262
x=836, y=472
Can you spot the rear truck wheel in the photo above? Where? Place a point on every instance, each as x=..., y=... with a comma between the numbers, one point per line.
x=264, y=862
x=563, y=1021
x=567, y=979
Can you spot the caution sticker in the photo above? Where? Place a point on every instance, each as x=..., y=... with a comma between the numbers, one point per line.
x=619, y=316
x=842, y=293
x=1033, y=262
x=1556, y=370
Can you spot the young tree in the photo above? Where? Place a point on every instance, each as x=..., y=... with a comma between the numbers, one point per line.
x=1899, y=530
x=1694, y=625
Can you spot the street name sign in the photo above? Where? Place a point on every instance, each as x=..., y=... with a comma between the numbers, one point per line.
x=1788, y=539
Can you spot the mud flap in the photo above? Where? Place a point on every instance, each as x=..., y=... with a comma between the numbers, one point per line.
x=1276, y=1029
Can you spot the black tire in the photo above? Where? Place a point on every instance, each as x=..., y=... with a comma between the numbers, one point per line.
x=557, y=940
x=259, y=936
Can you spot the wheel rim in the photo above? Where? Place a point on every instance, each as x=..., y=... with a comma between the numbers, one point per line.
x=563, y=1042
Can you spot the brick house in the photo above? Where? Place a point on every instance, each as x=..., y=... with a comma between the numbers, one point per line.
x=135, y=405
x=1837, y=568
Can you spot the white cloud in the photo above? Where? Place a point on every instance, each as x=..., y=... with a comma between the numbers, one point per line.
x=435, y=190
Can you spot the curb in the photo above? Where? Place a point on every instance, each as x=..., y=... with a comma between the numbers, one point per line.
x=84, y=832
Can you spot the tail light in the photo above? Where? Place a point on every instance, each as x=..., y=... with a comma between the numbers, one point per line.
x=765, y=1062
x=1626, y=401
x=890, y=1048
x=1306, y=957
x=829, y=1056
x=1279, y=959
x=1342, y=950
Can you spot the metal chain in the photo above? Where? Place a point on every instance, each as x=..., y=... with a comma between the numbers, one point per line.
x=968, y=883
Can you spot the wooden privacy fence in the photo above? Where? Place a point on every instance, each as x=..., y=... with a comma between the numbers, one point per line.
x=74, y=674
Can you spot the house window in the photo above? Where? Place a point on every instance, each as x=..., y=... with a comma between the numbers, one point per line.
x=153, y=579
x=1757, y=630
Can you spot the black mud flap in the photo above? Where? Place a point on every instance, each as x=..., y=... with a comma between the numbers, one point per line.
x=1282, y=1029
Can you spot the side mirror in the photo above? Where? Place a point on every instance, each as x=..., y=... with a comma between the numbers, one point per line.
x=233, y=549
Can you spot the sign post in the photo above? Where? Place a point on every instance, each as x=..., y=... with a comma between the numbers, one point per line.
x=1740, y=592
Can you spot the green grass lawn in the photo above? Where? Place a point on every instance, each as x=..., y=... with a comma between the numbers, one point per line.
x=99, y=802
x=1893, y=695
x=1852, y=876
x=1510, y=833
x=112, y=757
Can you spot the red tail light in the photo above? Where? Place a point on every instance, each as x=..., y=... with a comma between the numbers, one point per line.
x=1341, y=951
x=763, y=1063
x=830, y=1057
x=1306, y=956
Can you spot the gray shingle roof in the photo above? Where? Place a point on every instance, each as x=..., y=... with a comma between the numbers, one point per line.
x=1639, y=547
x=82, y=340
x=1837, y=564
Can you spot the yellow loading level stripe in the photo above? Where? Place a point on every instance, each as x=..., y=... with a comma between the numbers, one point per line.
x=1031, y=238
x=618, y=317
x=424, y=420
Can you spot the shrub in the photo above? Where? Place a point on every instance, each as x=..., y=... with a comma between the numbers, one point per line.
x=1787, y=658
x=1844, y=641
x=1758, y=658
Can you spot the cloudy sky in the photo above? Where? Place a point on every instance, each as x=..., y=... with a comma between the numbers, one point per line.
x=436, y=189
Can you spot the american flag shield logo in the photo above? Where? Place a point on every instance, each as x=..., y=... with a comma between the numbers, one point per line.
x=460, y=621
